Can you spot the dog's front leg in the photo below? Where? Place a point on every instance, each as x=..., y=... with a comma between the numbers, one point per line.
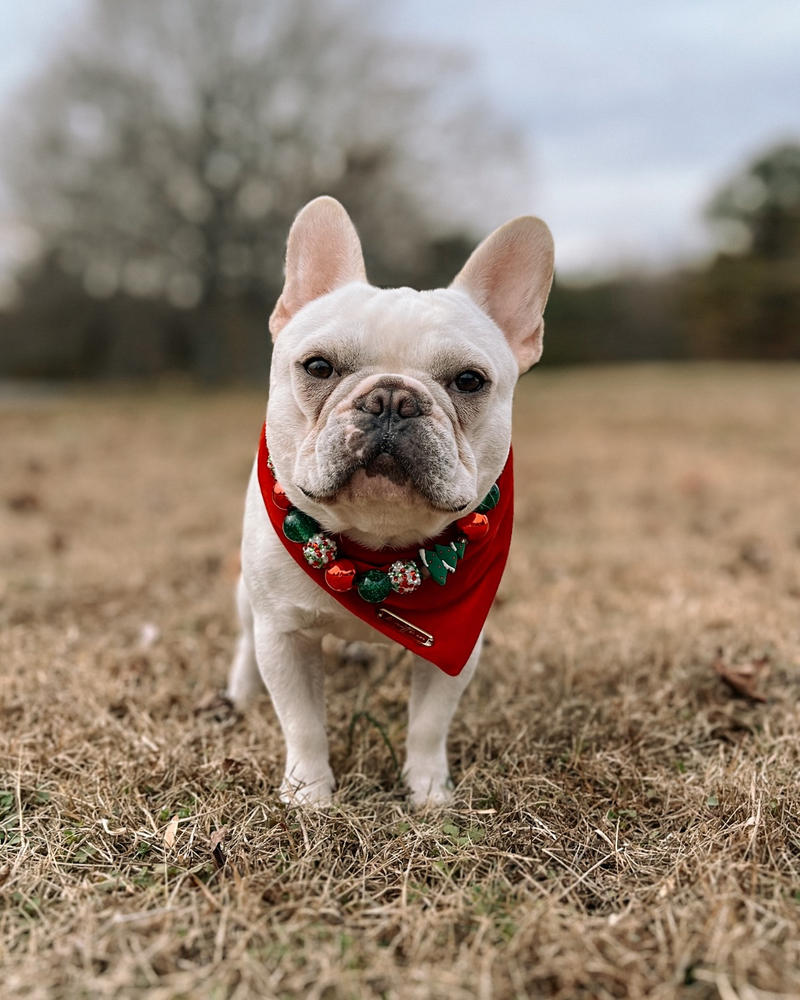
x=290, y=664
x=434, y=697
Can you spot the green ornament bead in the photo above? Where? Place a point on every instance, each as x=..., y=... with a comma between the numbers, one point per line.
x=490, y=501
x=447, y=555
x=374, y=586
x=299, y=527
x=436, y=567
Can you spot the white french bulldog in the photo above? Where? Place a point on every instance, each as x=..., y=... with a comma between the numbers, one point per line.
x=350, y=360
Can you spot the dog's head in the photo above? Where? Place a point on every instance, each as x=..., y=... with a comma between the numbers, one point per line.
x=390, y=410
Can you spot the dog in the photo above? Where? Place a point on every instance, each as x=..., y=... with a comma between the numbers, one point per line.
x=388, y=425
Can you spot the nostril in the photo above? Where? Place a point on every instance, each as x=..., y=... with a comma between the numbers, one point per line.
x=375, y=402
x=407, y=405
x=384, y=401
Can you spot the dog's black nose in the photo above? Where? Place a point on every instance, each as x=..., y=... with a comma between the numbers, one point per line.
x=387, y=401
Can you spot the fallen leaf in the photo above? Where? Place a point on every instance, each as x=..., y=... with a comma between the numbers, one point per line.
x=216, y=846
x=218, y=836
x=171, y=831
x=743, y=678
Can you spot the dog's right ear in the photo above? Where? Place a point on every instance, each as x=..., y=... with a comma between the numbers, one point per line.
x=323, y=252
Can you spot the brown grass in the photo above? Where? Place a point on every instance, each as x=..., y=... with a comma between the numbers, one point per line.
x=625, y=825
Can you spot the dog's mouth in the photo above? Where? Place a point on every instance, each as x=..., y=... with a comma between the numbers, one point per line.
x=385, y=475
x=386, y=465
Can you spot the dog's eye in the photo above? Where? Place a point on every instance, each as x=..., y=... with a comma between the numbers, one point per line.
x=318, y=367
x=468, y=381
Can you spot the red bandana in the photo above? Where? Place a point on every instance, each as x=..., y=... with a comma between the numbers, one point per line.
x=453, y=614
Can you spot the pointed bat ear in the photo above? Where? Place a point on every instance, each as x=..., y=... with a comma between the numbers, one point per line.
x=509, y=276
x=323, y=252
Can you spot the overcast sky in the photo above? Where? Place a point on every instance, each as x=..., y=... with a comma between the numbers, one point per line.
x=633, y=111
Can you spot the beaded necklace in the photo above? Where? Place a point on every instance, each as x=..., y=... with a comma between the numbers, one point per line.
x=404, y=576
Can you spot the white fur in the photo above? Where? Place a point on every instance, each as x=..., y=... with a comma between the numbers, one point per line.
x=327, y=307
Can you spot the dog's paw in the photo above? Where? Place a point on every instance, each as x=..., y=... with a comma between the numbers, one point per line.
x=218, y=707
x=238, y=700
x=429, y=788
x=316, y=793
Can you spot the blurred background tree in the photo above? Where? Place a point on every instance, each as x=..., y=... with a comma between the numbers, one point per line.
x=746, y=304
x=161, y=158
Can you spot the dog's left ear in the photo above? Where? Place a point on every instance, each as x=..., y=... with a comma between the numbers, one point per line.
x=323, y=252
x=509, y=276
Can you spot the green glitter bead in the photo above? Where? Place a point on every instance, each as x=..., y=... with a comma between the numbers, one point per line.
x=490, y=501
x=374, y=586
x=299, y=527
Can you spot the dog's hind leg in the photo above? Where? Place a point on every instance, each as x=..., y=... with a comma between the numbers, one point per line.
x=244, y=681
x=434, y=697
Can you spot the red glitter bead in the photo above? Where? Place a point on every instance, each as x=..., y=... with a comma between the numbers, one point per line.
x=474, y=525
x=279, y=498
x=340, y=575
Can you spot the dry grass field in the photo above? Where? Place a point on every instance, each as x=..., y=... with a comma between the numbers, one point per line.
x=625, y=824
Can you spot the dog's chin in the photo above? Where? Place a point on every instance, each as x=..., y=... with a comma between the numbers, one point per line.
x=380, y=511
x=373, y=486
x=379, y=505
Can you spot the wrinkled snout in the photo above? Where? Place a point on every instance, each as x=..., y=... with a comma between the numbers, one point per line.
x=389, y=441
x=389, y=409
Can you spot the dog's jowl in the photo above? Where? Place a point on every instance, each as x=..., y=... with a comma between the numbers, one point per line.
x=381, y=500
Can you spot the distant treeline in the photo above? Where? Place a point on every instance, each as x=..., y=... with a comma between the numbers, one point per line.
x=159, y=159
x=738, y=307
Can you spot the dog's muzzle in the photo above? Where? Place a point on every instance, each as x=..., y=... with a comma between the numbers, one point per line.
x=389, y=435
